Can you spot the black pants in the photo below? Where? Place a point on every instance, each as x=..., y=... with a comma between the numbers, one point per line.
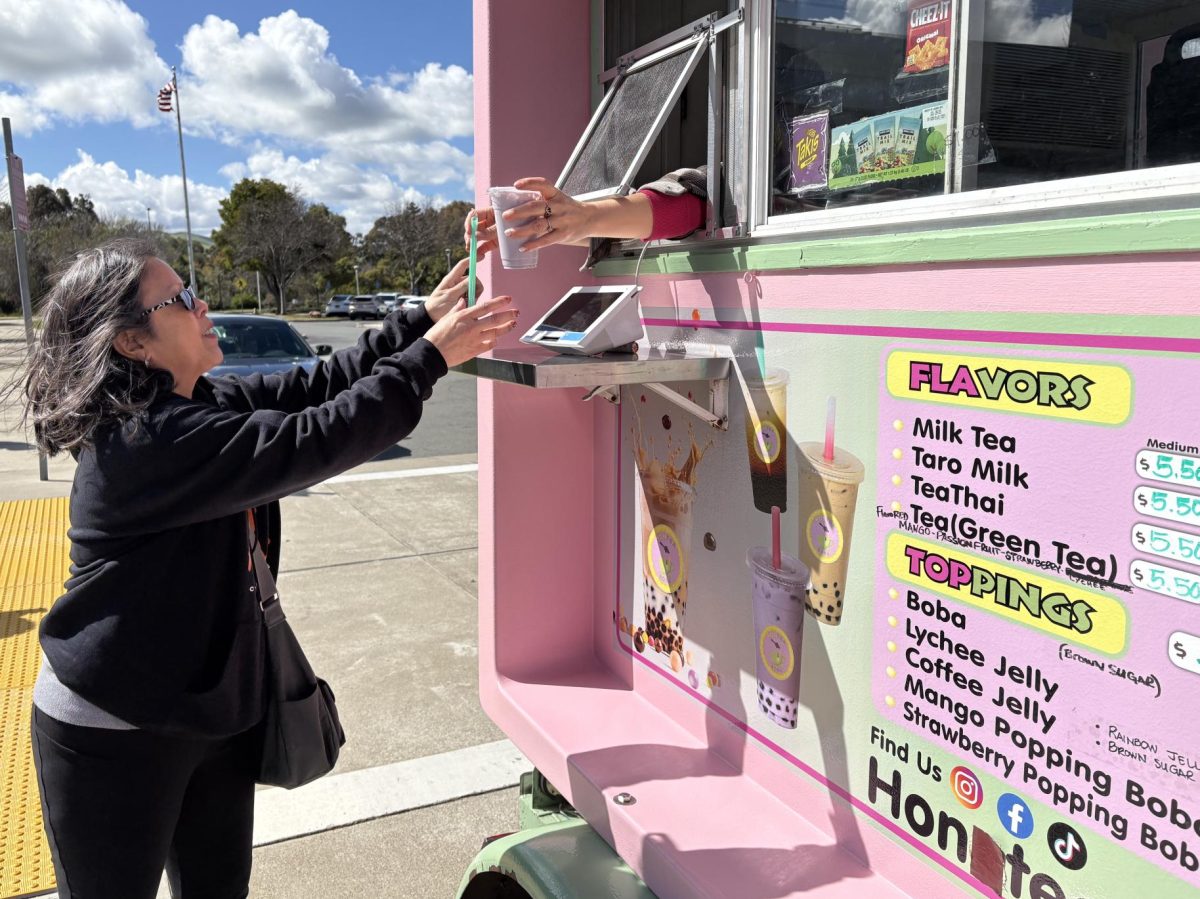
x=119, y=806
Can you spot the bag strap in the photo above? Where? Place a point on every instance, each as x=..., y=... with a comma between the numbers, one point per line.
x=268, y=593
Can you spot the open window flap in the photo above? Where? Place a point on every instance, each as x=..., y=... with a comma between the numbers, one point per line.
x=628, y=121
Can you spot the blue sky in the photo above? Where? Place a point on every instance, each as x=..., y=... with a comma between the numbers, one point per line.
x=360, y=105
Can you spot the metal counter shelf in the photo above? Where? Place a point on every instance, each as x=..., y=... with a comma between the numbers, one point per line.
x=603, y=376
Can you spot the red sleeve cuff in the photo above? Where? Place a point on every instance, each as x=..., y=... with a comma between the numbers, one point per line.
x=674, y=217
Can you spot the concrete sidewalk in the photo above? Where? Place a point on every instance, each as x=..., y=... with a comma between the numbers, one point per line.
x=378, y=578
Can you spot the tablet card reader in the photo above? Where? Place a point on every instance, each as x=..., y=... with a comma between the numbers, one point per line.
x=588, y=321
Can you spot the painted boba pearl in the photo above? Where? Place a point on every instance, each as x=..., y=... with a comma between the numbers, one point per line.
x=676, y=662
x=693, y=679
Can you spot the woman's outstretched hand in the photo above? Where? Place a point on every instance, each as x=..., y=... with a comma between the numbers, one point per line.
x=465, y=332
x=450, y=290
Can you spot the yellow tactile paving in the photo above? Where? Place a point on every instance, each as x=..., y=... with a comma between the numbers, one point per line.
x=33, y=566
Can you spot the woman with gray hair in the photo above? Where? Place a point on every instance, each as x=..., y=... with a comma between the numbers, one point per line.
x=153, y=684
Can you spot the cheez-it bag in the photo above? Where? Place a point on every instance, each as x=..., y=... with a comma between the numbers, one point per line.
x=928, y=35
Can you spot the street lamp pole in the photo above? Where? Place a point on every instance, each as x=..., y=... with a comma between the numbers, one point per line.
x=357, y=289
x=447, y=259
x=148, y=225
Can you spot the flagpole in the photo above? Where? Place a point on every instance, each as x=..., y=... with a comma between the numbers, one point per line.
x=187, y=213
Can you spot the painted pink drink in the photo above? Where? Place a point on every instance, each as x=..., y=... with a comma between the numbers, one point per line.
x=779, y=604
x=504, y=198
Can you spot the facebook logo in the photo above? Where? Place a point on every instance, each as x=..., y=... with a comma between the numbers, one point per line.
x=1015, y=816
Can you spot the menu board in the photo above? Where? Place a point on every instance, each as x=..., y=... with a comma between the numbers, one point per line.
x=1031, y=625
x=978, y=617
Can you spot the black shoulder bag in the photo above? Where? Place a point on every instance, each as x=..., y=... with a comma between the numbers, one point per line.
x=302, y=734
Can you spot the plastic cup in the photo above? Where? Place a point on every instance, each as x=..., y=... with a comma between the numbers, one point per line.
x=779, y=596
x=828, y=494
x=666, y=555
x=504, y=198
x=766, y=440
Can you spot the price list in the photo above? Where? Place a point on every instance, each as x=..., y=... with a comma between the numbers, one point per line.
x=1170, y=566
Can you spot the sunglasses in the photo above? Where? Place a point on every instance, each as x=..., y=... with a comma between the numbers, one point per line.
x=187, y=296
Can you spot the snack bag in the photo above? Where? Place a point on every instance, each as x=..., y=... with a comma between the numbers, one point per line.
x=864, y=147
x=907, y=132
x=885, y=141
x=928, y=35
x=809, y=151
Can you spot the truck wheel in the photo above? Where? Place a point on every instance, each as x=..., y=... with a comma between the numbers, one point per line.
x=493, y=885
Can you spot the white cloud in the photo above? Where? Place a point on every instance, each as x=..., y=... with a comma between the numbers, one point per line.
x=78, y=60
x=1008, y=21
x=1014, y=22
x=879, y=16
x=279, y=82
x=360, y=194
x=282, y=80
x=116, y=193
x=356, y=144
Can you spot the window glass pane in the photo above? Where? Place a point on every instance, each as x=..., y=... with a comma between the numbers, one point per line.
x=630, y=24
x=1069, y=88
x=859, y=111
x=627, y=121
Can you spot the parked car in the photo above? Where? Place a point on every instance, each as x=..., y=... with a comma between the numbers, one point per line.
x=256, y=344
x=339, y=304
x=412, y=302
x=365, y=307
x=389, y=300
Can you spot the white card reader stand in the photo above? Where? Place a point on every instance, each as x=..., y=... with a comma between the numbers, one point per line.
x=589, y=321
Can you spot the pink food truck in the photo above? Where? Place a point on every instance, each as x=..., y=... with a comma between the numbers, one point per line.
x=874, y=569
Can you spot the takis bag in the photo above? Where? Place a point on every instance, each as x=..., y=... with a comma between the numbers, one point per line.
x=302, y=735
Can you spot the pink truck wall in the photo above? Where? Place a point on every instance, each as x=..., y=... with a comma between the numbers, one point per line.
x=725, y=806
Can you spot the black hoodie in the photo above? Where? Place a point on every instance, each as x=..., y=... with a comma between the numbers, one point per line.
x=158, y=625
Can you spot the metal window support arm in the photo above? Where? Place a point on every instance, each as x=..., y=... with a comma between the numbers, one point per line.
x=715, y=414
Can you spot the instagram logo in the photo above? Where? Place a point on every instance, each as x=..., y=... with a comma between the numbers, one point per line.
x=966, y=787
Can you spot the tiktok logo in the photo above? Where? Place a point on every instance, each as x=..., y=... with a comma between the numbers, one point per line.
x=1015, y=816
x=1066, y=846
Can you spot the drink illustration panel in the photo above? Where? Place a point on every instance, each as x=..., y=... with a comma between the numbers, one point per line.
x=997, y=555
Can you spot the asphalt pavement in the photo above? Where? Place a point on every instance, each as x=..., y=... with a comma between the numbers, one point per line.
x=378, y=578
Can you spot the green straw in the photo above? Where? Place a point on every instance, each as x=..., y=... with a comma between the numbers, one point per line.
x=471, y=264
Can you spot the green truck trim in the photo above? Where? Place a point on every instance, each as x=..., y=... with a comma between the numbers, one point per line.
x=1176, y=231
x=555, y=853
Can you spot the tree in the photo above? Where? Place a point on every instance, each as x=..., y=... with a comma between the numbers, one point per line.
x=59, y=226
x=47, y=204
x=272, y=229
x=407, y=234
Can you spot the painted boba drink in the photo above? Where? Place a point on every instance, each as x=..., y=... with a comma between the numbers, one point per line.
x=667, y=496
x=766, y=440
x=779, y=596
x=666, y=545
x=828, y=495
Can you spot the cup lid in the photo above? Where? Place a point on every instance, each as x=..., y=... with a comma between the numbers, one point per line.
x=845, y=468
x=773, y=377
x=510, y=192
x=790, y=573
